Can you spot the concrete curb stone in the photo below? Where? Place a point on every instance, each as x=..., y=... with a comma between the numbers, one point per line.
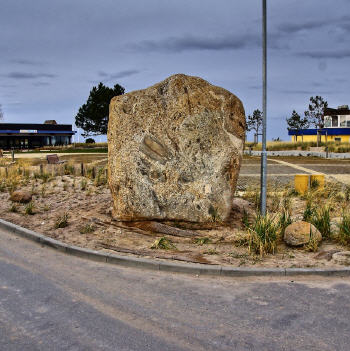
x=151, y=264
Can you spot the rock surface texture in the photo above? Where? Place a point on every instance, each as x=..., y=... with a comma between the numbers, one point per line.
x=175, y=150
x=299, y=233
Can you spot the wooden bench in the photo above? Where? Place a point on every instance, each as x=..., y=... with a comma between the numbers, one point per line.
x=53, y=160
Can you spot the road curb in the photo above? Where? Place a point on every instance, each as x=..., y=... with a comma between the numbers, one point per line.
x=157, y=265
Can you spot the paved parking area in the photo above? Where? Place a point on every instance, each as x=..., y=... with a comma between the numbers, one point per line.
x=283, y=169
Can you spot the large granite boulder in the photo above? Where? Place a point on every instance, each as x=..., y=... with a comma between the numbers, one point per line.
x=175, y=151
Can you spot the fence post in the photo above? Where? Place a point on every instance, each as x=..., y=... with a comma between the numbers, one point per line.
x=41, y=169
x=93, y=173
x=82, y=169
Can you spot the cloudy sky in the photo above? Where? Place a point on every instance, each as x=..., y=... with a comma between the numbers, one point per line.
x=53, y=52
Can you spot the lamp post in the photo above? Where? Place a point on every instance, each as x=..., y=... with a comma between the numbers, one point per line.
x=263, y=176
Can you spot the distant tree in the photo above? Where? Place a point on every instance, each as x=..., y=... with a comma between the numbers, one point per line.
x=295, y=122
x=254, y=123
x=315, y=113
x=1, y=113
x=90, y=141
x=92, y=117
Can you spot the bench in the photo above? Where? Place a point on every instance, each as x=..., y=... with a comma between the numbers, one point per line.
x=53, y=160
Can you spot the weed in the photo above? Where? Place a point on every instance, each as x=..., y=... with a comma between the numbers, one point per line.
x=87, y=228
x=245, y=219
x=29, y=208
x=163, y=244
x=46, y=208
x=344, y=229
x=62, y=221
x=83, y=184
x=312, y=245
x=322, y=221
x=211, y=252
x=215, y=216
x=284, y=220
x=201, y=241
x=309, y=210
x=68, y=169
x=65, y=186
x=2, y=186
x=13, y=208
x=43, y=190
x=100, y=177
x=314, y=184
x=263, y=235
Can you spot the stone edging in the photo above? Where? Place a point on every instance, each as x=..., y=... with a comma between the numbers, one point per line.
x=158, y=265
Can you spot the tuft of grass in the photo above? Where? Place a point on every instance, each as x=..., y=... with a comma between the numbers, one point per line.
x=210, y=252
x=29, y=208
x=69, y=169
x=87, y=228
x=322, y=221
x=312, y=245
x=309, y=211
x=62, y=221
x=344, y=229
x=215, y=216
x=83, y=184
x=201, y=241
x=263, y=235
x=163, y=244
x=43, y=190
x=13, y=208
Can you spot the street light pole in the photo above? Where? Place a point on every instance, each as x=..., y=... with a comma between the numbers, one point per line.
x=263, y=176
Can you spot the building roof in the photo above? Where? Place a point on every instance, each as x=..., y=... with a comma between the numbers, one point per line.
x=36, y=126
x=341, y=110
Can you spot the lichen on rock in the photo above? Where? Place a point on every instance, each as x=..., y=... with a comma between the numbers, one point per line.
x=175, y=151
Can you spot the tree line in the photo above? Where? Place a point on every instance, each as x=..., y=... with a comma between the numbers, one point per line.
x=313, y=116
x=92, y=116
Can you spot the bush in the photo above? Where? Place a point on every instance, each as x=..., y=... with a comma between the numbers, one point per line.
x=90, y=141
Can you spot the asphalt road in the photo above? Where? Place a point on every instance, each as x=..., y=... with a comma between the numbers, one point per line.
x=52, y=301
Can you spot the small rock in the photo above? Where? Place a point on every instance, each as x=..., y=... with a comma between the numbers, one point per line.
x=298, y=233
x=342, y=257
x=21, y=196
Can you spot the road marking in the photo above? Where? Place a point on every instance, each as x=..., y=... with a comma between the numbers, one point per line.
x=307, y=170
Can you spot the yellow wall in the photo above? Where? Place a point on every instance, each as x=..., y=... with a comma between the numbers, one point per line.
x=344, y=138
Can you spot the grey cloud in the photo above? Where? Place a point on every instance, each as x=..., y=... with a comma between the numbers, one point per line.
x=293, y=27
x=41, y=84
x=190, y=42
x=306, y=92
x=28, y=62
x=118, y=75
x=26, y=75
x=324, y=54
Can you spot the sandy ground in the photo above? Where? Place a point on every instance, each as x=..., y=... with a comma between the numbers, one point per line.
x=90, y=225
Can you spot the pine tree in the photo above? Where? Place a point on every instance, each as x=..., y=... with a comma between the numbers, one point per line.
x=254, y=122
x=92, y=117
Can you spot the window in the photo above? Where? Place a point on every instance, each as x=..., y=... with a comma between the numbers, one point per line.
x=327, y=121
x=343, y=121
x=334, y=121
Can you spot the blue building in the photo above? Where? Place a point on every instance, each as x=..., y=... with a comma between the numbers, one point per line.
x=31, y=135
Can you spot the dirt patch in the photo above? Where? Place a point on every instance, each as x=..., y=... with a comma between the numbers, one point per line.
x=77, y=210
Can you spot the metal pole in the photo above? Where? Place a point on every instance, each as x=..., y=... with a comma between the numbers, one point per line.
x=263, y=177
